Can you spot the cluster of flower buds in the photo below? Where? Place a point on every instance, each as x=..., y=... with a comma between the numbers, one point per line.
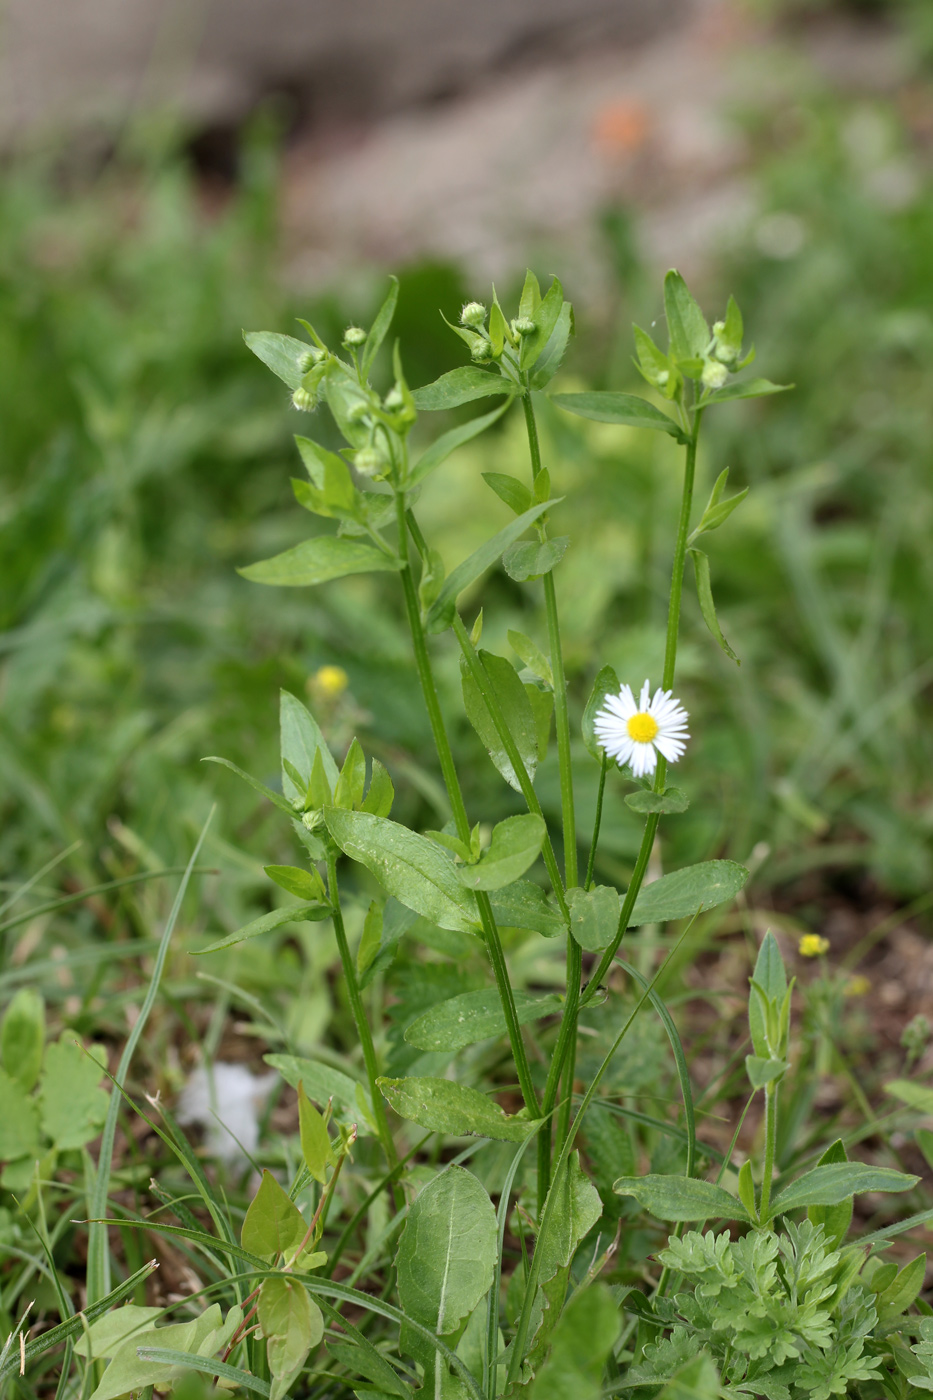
x=313, y=366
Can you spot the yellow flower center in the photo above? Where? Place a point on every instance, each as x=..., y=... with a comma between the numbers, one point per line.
x=642, y=728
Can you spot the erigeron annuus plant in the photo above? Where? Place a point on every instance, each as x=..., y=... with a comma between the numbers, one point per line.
x=449, y=1332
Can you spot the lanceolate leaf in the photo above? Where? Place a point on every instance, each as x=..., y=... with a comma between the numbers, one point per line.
x=447, y=1107
x=448, y=442
x=419, y=873
x=835, y=1182
x=295, y=913
x=516, y=708
x=686, y=892
x=686, y=325
x=750, y=389
x=707, y=606
x=459, y=386
x=283, y=354
x=583, y=1339
x=301, y=741
x=380, y=326
x=681, y=1198
x=473, y=1016
x=317, y=561
x=441, y=612
x=607, y=406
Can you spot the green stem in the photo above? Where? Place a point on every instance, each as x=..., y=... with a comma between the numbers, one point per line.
x=561, y=716
x=568, y=1032
x=771, y=1104
x=680, y=555
x=484, y=685
x=359, y=1014
x=597, y=822
x=461, y=820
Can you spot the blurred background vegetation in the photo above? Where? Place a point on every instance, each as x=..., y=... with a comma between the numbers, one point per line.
x=144, y=454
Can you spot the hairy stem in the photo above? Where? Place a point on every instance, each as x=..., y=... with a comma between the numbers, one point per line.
x=461, y=821
x=767, y=1174
x=359, y=1014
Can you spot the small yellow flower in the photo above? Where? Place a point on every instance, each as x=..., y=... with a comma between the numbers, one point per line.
x=857, y=986
x=329, y=682
x=813, y=945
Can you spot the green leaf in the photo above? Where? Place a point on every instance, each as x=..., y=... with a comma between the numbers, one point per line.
x=762, y=1072
x=532, y=656
x=315, y=1142
x=320, y=1082
x=698, y=1380
x=318, y=560
x=549, y=361
x=463, y=1020
x=441, y=612
x=608, y=406
x=594, y=916
x=581, y=1344
x=303, y=884
x=573, y=1207
x=379, y=328
x=72, y=1104
x=652, y=363
x=509, y=489
x=201, y=1336
x=445, y=1264
x=317, y=460
x=769, y=969
x=311, y=913
x=835, y=1220
x=717, y=510
x=381, y=794
x=751, y=389
x=499, y=332
x=516, y=708
x=411, y=867
x=685, y=892
x=545, y=318
x=687, y=330
x=448, y=442
x=917, y=1096
x=903, y=1292
x=447, y=1107
x=525, y=905
x=273, y=1223
x=530, y=298
x=275, y=798
x=396, y=920
x=705, y=596
x=681, y=1198
x=103, y=1337
x=459, y=386
x=283, y=354
x=301, y=741
x=364, y=1360
x=292, y=1324
x=606, y=683
x=514, y=846
x=206, y=1365
x=19, y=1121
x=530, y=559
x=22, y=1038
x=835, y=1182
x=746, y=1189
x=670, y=801
x=348, y=792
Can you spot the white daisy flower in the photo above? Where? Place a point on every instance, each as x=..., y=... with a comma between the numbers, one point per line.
x=636, y=732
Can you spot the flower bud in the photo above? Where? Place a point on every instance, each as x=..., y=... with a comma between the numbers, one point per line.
x=310, y=358
x=369, y=461
x=304, y=400
x=482, y=351
x=312, y=820
x=393, y=399
x=357, y=410
x=473, y=314
x=354, y=335
x=714, y=374
x=524, y=326
x=662, y=377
